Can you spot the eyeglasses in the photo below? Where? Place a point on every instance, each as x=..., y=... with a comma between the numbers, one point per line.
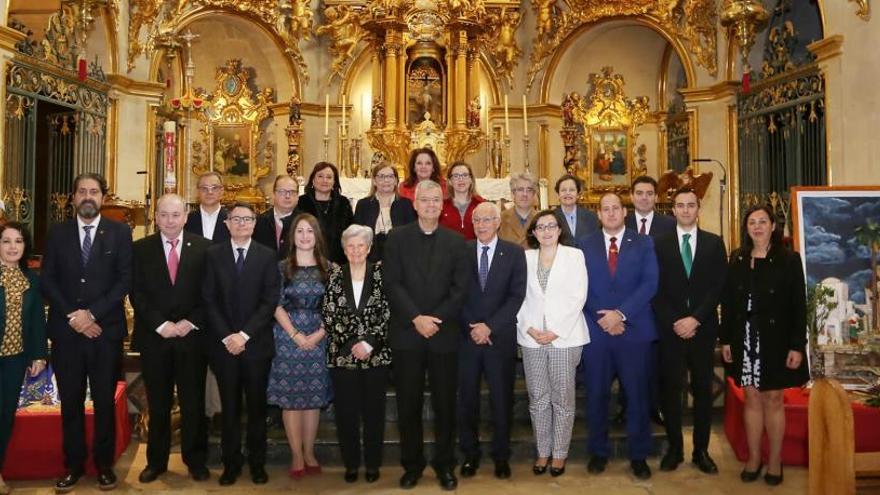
x=385, y=177
x=460, y=176
x=210, y=189
x=242, y=220
x=519, y=190
x=285, y=192
x=481, y=220
x=550, y=227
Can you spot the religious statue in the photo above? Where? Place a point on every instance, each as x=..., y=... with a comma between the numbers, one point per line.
x=544, y=14
x=473, y=113
x=569, y=103
x=377, y=117
x=301, y=19
x=343, y=27
x=294, y=116
x=505, y=50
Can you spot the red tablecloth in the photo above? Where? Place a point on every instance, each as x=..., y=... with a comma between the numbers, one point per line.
x=35, y=450
x=795, y=445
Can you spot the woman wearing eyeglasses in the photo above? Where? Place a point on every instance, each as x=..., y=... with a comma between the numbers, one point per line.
x=324, y=200
x=461, y=199
x=383, y=208
x=551, y=332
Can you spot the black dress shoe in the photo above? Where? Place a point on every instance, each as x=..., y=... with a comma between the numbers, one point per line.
x=557, y=471
x=106, y=479
x=502, y=470
x=149, y=474
x=229, y=476
x=597, y=464
x=199, y=473
x=469, y=468
x=447, y=480
x=750, y=476
x=671, y=460
x=704, y=463
x=258, y=475
x=410, y=479
x=773, y=479
x=640, y=469
x=371, y=475
x=539, y=469
x=68, y=482
x=350, y=476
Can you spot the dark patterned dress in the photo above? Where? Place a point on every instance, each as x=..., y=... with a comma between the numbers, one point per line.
x=299, y=379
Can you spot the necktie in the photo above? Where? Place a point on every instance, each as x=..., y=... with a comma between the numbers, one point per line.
x=278, y=227
x=484, y=267
x=87, y=244
x=239, y=262
x=687, y=256
x=612, y=256
x=173, y=260
x=642, y=229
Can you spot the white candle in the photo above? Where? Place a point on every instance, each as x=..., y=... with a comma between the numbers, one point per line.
x=327, y=114
x=506, y=118
x=343, y=116
x=525, y=116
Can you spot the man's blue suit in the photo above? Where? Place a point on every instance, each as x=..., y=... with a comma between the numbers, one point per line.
x=626, y=356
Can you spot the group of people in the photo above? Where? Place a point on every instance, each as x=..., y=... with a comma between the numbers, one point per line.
x=424, y=285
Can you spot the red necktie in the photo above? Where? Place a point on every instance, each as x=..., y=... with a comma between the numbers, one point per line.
x=642, y=229
x=173, y=260
x=612, y=256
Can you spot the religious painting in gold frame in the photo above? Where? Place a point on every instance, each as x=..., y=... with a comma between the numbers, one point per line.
x=611, y=157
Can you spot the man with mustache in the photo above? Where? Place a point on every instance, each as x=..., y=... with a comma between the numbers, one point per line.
x=86, y=274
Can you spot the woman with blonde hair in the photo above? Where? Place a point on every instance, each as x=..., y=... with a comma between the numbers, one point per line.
x=383, y=209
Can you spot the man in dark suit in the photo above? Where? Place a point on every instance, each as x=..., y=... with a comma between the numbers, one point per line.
x=86, y=274
x=643, y=219
x=240, y=292
x=622, y=269
x=693, y=266
x=426, y=277
x=488, y=339
x=575, y=221
x=273, y=225
x=209, y=221
x=169, y=268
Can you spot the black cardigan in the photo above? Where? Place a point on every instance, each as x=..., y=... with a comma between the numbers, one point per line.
x=336, y=220
x=366, y=213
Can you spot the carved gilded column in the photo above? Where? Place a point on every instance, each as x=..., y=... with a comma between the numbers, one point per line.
x=401, y=89
x=461, y=78
x=392, y=49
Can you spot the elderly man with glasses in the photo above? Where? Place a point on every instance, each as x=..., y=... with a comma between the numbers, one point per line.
x=273, y=225
x=515, y=221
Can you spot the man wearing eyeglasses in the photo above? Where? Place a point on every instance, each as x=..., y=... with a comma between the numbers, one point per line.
x=515, y=221
x=240, y=294
x=273, y=225
x=209, y=219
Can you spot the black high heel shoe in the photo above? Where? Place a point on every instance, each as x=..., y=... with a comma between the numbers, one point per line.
x=773, y=479
x=750, y=476
x=538, y=469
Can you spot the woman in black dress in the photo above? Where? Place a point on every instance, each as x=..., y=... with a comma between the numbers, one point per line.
x=763, y=334
x=383, y=208
x=324, y=200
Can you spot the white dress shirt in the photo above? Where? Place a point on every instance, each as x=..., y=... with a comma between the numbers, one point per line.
x=209, y=222
x=490, y=253
x=235, y=247
x=82, y=233
x=167, y=248
x=649, y=220
x=692, y=241
x=618, y=240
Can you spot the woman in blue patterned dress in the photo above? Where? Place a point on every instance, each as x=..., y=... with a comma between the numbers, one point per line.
x=299, y=382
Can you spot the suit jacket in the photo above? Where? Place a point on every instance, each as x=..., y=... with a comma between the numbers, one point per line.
x=498, y=303
x=512, y=230
x=33, y=319
x=587, y=223
x=194, y=225
x=561, y=305
x=156, y=301
x=337, y=218
x=660, y=225
x=630, y=290
x=100, y=286
x=419, y=283
x=678, y=295
x=241, y=302
x=264, y=232
x=366, y=212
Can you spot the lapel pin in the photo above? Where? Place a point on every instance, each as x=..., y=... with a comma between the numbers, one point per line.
x=188, y=244
x=101, y=232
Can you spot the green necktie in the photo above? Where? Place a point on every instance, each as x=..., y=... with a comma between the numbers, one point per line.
x=687, y=257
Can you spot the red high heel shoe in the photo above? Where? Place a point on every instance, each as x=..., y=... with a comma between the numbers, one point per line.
x=297, y=474
x=316, y=469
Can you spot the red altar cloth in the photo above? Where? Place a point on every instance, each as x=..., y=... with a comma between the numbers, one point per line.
x=795, y=445
x=35, y=449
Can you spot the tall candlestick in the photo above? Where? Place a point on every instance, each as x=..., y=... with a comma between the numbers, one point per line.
x=343, y=115
x=506, y=118
x=525, y=116
x=327, y=114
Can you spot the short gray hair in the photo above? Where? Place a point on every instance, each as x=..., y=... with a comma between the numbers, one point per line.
x=425, y=185
x=355, y=230
x=523, y=176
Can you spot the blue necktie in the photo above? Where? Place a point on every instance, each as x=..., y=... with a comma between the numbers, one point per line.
x=484, y=267
x=239, y=262
x=87, y=244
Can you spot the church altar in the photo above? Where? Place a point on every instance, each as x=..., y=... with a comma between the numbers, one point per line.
x=496, y=190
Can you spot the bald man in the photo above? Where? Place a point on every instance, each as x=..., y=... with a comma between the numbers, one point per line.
x=169, y=267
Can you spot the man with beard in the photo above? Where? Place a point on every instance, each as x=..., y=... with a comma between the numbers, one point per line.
x=86, y=273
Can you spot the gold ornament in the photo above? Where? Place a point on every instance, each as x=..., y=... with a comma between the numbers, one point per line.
x=503, y=46
x=344, y=30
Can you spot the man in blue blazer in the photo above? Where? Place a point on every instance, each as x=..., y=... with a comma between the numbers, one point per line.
x=622, y=269
x=496, y=290
x=86, y=274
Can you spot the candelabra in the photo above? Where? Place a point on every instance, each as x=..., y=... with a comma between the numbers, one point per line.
x=507, y=155
x=526, y=163
x=354, y=157
x=326, y=147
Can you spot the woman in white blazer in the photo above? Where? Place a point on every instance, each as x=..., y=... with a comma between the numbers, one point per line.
x=551, y=331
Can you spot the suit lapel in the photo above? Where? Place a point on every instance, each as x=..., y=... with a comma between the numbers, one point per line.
x=597, y=246
x=624, y=251
x=158, y=249
x=97, y=241
x=494, y=266
x=348, y=289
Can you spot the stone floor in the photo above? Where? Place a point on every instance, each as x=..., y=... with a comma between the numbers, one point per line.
x=615, y=481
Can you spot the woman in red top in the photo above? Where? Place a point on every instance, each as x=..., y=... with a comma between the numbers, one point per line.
x=423, y=164
x=461, y=199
